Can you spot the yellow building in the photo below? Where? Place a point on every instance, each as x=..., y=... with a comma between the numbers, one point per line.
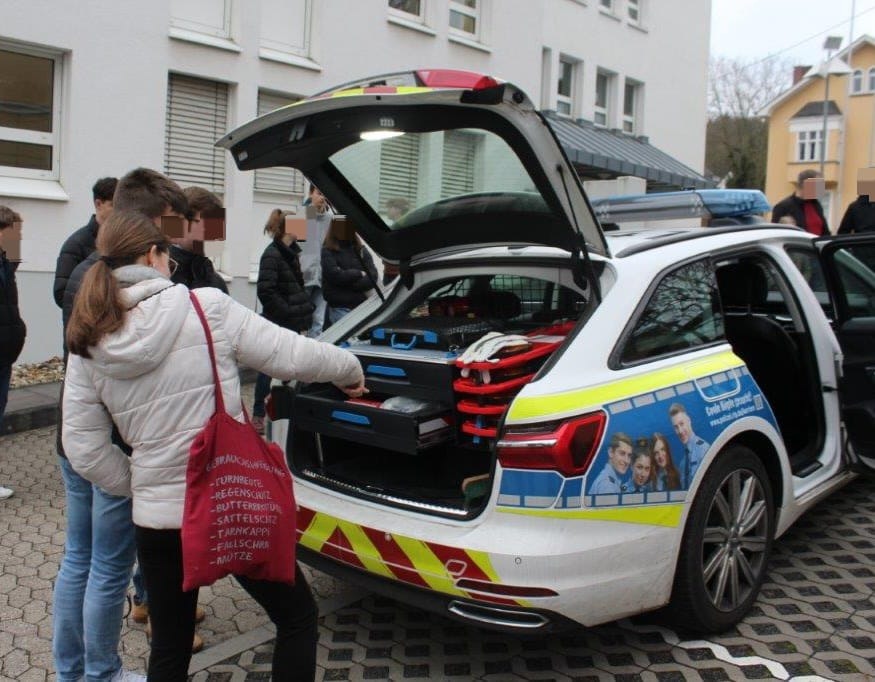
x=796, y=123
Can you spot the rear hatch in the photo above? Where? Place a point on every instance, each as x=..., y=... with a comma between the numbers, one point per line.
x=425, y=165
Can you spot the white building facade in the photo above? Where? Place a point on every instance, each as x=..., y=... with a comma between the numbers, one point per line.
x=96, y=88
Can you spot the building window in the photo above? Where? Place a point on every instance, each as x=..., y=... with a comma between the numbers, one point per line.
x=285, y=26
x=565, y=91
x=197, y=116
x=633, y=11
x=631, y=106
x=607, y=4
x=30, y=99
x=210, y=17
x=399, y=170
x=409, y=9
x=808, y=145
x=457, y=165
x=278, y=180
x=857, y=81
x=602, y=114
x=465, y=17
x=872, y=79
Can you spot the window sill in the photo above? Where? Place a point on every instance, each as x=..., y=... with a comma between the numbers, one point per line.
x=29, y=188
x=287, y=58
x=608, y=13
x=637, y=26
x=468, y=42
x=203, y=39
x=411, y=24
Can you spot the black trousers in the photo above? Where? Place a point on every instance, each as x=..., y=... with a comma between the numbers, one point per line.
x=171, y=612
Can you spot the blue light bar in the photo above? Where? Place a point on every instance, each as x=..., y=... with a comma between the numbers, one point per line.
x=702, y=203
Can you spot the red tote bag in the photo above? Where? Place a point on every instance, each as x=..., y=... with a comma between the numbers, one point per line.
x=239, y=515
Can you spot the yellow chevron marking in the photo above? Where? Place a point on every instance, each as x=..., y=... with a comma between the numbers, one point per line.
x=483, y=563
x=320, y=529
x=596, y=396
x=430, y=568
x=364, y=549
x=668, y=515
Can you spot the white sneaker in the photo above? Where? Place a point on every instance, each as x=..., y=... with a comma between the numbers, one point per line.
x=122, y=675
x=6, y=493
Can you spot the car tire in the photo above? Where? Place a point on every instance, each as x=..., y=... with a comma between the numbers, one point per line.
x=727, y=541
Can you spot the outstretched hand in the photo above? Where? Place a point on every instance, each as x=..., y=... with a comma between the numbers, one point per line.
x=355, y=390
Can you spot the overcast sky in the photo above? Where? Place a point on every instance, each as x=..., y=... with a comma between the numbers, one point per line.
x=753, y=29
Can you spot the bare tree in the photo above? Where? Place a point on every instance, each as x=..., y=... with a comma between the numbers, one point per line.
x=737, y=135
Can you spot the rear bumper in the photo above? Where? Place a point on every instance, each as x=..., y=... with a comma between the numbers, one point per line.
x=490, y=616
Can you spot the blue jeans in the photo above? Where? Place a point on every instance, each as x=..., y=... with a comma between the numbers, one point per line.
x=89, y=597
x=5, y=378
x=262, y=388
x=336, y=314
x=315, y=294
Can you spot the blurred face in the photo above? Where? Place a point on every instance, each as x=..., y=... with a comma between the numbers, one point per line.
x=660, y=453
x=317, y=199
x=175, y=226
x=681, y=424
x=620, y=457
x=641, y=470
x=102, y=209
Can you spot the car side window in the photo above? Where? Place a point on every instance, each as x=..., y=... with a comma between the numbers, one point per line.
x=808, y=263
x=855, y=266
x=683, y=313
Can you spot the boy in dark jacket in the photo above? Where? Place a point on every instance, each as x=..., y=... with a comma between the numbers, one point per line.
x=12, y=328
x=804, y=213
x=282, y=295
x=80, y=244
x=194, y=269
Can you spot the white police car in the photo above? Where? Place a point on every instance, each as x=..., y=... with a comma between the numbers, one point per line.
x=660, y=404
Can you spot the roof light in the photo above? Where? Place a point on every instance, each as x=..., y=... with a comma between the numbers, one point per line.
x=703, y=203
x=376, y=135
x=453, y=78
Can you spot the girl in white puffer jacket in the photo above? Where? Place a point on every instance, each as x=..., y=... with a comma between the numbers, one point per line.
x=139, y=358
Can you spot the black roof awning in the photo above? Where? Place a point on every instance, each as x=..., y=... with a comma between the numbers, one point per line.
x=599, y=154
x=816, y=109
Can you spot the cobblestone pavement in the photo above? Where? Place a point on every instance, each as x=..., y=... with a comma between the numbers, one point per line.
x=815, y=618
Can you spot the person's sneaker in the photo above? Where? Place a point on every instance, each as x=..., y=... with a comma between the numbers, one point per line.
x=258, y=423
x=6, y=493
x=140, y=612
x=199, y=614
x=122, y=675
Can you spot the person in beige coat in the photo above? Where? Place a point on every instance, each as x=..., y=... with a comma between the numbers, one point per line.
x=139, y=358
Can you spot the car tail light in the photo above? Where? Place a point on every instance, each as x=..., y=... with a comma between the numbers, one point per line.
x=567, y=446
x=452, y=78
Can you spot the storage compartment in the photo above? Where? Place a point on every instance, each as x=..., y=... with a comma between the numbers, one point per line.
x=325, y=410
x=421, y=374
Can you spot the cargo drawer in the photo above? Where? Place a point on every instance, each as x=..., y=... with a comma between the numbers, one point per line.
x=324, y=410
x=427, y=375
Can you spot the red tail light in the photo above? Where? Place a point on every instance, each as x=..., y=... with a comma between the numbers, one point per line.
x=453, y=78
x=566, y=446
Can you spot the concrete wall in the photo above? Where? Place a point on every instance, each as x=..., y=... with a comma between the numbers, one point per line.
x=117, y=57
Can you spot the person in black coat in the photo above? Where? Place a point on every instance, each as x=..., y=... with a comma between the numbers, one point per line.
x=859, y=217
x=282, y=295
x=194, y=269
x=804, y=213
x=79, y=245
x=12, y=327
x=348, y=271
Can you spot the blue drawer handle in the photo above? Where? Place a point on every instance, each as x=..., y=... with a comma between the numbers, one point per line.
x=385, y=371
x=351, y=417
x=403, y=346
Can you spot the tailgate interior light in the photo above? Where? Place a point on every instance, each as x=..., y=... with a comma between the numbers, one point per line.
x=376, y=135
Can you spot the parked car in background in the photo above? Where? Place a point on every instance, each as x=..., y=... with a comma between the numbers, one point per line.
x=565, y=425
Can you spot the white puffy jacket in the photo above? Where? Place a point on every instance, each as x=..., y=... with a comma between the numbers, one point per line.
x=153, y=379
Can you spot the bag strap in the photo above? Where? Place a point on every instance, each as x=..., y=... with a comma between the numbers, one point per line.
x=220, y=401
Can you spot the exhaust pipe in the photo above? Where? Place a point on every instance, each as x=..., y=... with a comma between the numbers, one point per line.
x=521, y=620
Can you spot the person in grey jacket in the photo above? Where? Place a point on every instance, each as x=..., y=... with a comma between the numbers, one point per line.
x=135, y=335
x=311, y=258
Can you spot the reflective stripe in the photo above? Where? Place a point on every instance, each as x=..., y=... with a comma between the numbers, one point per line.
x=365, y=549
x=319, y=530
x=429, y=566
x=581, y=400
x=668, y=515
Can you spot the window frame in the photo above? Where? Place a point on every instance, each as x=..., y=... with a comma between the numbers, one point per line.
x=857, y=82
x=616, y=361
x=633, y=6
x=267, y=46
x=474, y=12
x=870, y=80
x=802, y=144
x=607, y=5
x=572, y=99
x=224, y=33
x=51, y=138
x=632, y=120
x=409, y=16
x=605, y=110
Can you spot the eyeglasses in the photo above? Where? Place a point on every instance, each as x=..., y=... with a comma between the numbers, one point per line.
x=172, y=265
